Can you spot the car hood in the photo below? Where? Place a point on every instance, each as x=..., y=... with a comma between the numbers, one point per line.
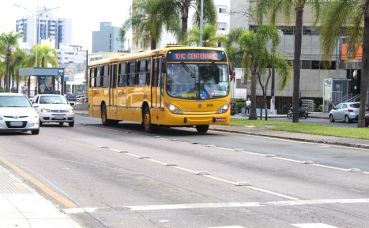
x=55, y=106
x=18, y=111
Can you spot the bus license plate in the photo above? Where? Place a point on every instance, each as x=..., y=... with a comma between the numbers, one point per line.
x=220, y=119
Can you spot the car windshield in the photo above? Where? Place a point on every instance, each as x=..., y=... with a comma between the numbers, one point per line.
x=14, y=101
x=52, y=100
x=197, y=81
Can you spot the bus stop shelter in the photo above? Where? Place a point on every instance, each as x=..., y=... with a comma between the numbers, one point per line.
x=44, y=76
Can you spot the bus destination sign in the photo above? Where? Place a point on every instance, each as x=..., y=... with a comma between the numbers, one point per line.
x=196, y=55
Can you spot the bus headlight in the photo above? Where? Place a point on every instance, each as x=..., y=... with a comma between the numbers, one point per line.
x=223, y=109
x=173, y=109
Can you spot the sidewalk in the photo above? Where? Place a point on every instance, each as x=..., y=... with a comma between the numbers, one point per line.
x=22, y=207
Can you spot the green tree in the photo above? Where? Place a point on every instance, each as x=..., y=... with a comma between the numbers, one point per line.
x=210, y=38
x=10, y=40
x=20, y=61
x=180, y=9
x=351, y=16
x=46, y=56
x=147, y=26
x=288, y=9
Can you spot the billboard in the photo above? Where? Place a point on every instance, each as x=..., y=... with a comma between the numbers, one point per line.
x=46, y=84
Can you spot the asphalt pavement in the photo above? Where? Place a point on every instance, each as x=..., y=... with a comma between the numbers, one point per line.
x=22, y=207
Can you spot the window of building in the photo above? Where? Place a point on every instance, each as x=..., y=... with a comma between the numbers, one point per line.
x=222, y=9
x=222, y=26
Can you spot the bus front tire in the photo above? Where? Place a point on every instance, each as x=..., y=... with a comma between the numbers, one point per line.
x=148, y=126
x=202, y=128
x=104, y=116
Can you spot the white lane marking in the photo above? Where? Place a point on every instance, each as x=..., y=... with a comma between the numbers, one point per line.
x=226, y=227
x=319, y=201
x=191, y=206
x=79, y=210
x=244, y=204
x=272, y=193
x=313, y=225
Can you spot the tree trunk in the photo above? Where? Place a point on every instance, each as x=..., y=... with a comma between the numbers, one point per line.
x=184, y=27
x=7, y=72
x=253, y=115
x=153, y=44
x=297, y=64
x=365, y=72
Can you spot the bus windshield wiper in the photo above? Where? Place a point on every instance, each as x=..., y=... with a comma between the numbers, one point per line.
x=184, y=65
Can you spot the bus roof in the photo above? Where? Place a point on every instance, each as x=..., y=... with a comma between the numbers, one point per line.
x=149, y=53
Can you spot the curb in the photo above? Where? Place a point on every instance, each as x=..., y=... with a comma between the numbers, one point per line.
x=365, y=146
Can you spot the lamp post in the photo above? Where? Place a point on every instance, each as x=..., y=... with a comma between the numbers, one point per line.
x=37, y=14
x=202, y=12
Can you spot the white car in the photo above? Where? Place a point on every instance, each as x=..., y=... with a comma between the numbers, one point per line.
x=54, y=108
x=17, y=114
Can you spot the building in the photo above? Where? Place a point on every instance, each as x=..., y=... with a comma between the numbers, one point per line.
x=59, y=29
x=107, y=39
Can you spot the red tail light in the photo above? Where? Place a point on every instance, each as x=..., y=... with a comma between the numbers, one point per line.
x=350, y=110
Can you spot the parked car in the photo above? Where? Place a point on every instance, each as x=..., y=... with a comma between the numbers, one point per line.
x=54, y=108
x=347, y=111
x=17, y=114
x=70, y=97
x=233, y=108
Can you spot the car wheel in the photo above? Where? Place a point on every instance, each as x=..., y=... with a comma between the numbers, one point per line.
x=35, y=132
x=148, y=126
x=331, y=118
x=202, y=128
x=71, y=124
x=347, y=119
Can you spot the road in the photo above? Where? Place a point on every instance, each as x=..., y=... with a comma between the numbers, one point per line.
x=124, y=177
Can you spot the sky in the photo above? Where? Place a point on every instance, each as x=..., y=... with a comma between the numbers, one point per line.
x=86, y=15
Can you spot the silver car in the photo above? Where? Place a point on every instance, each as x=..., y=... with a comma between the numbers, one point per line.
x=17, y=114
x=54, y=108
x=348, y=112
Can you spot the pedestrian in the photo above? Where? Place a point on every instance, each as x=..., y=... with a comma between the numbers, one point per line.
x=248, y=105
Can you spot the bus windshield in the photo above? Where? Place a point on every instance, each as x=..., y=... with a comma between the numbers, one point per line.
x=197, y=81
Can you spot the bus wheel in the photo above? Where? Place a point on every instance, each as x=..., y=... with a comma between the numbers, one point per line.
x=104, y=116
x=148, y=126
x=202, y=128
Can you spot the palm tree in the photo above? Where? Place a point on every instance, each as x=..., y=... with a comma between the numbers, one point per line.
x=252, y=48
x=354, y=16
x=288, y=9
x=10, y=41
x=147, y=26
x=19, y=62
x=209, y=37
x=46, y=56
x=180, y=9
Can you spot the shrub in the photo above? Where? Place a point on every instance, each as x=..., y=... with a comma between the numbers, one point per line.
x=319, y=108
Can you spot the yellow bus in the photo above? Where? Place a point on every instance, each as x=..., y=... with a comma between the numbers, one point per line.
x=175, y=86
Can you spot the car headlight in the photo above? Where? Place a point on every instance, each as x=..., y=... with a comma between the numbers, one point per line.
x=173, y=109
x=44, y=110
x=223, y=109
x=34, y=117
x=70, y=111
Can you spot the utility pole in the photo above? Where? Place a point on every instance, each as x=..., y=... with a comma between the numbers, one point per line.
x=202, y=12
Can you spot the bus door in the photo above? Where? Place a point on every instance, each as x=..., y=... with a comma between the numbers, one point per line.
x=112, y=91
x=155, y=85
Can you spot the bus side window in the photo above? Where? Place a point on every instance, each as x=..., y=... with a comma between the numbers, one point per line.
x=113, y=76
x=142, y=73
x=155, y=73
x=132, y=74
x=148, y=71
x=98, y=78
x=122, y=75
x=105, y=76
x=92, y=77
